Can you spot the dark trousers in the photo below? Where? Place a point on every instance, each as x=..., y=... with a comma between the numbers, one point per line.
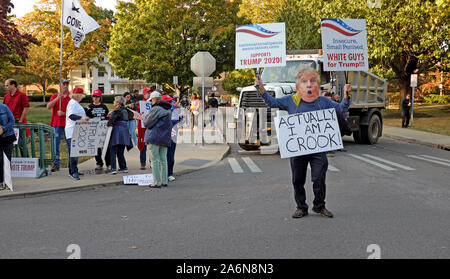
x=7, y=149
x=73, y=161
x=21, y=143
x=118, y=151
x=319, y=166
x=143, y=156
x=406, y=116
x=99, y=160
x=171, y=158
x=59, y=131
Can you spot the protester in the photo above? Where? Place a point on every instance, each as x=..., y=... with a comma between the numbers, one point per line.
x=97, y=109
x=17, y=102
x=213, y=105
x=158, y=135
x=185, y=106
x=131, y=122
x=141, y=132
x=307, y=99
x=7, y=138
x=120, y=137
x=74, y=112
x=175, y=119
x=406, y=111
x=58, y=120
x=195, y=111
x=134, y=97
x=336, y=98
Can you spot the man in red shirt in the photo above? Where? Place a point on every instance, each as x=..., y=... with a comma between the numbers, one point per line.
x=58, y=120
x=18, y=104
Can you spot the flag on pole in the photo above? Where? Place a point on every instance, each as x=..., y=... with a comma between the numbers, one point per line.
x=79, y=22
x=137, y=115
x=7, y=172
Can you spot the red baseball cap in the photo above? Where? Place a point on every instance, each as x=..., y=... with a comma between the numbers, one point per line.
x=166, y=98
x=146, y=89
x=77, y=90
x=97, y=93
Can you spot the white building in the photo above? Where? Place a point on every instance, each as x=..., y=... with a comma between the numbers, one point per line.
x=103, y=78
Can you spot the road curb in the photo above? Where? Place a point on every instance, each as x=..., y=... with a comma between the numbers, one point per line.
x=415, y=141
x=13, y=195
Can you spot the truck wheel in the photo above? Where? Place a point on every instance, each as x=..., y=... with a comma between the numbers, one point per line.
x=372, y=132
x=357, y=136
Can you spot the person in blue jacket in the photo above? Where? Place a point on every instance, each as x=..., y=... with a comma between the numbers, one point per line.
x=304, y=100
x=7, y=138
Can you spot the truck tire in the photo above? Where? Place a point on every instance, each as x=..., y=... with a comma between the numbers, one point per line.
x=372, y=132
x=249, y=147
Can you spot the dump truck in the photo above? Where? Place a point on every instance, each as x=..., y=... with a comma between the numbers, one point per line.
x=368, y=98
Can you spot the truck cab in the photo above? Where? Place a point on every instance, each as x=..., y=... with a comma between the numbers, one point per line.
x=368, y=98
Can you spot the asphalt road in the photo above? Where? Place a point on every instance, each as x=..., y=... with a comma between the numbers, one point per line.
x=403, y=208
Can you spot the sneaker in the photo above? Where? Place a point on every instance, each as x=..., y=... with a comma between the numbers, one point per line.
x=123, y=170
x=75, y=176
x=323, y=211
x=171, y=178
x=55, y=168
x=299, y=213
x=113, y=172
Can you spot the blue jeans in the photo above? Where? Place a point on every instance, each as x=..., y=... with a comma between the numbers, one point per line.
x=171, y=158
x=319, y=166
x=59, y=131
x=73, y=161
x=143, y=156
x=118, y=151
x=132, y=129
x=212, y=116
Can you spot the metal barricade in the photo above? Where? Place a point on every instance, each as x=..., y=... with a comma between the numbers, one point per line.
x=40, y=130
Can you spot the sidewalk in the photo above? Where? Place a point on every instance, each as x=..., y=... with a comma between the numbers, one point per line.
x=188, y=158
x=418, y=137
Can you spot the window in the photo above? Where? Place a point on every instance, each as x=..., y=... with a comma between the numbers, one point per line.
x=83, y=73
x=101, y=73
x=101, y=87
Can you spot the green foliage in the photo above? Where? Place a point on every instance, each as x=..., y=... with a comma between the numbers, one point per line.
x=238, y=78
x=435, y=98
x=155, y=39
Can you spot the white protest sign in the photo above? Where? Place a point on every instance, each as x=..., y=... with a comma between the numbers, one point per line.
x=140, y=179
x=7, y=172
x=308, y=133
x=144, y=109
x=106, y=142
x=344, y=44
x=16, y=133
x=24, y=167
x=102, y=130
x=260, y=45
x=85, y=139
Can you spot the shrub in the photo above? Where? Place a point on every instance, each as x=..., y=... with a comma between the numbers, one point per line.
x=434, y=98
x=394, y=97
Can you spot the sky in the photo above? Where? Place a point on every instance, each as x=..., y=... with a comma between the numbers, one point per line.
x=21, y=7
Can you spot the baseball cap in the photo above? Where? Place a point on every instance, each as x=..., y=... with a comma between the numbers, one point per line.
x=146, y=89
x=77, y=90
x=166, y=98
x=97, y=93
x=155, y=94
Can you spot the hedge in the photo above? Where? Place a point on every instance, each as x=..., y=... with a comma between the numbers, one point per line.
x=107, y=99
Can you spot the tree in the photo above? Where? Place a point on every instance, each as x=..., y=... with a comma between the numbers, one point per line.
x=44, y=23
x=238, y=78
x=155, y=39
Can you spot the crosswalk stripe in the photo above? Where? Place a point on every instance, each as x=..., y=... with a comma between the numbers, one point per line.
x=235, y=165
x=251, y=165
x=388, y=162
x=372, y=162
x=429, y=160
x=436, y=158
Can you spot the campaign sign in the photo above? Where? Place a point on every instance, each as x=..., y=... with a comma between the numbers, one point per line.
x=344, y=44
x=102, y=130
x=139, y=179
x=24, y=167
x=16, y=133
x=144, y=109
x=85, y=139
x=307, y=133
x=260, y=45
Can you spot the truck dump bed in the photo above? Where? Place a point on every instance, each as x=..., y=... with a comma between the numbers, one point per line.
x=368, y=90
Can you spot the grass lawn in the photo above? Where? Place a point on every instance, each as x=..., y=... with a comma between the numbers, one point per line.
x=431, y=118
x=38, y=113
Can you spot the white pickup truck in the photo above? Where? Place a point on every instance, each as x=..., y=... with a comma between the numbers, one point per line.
x=368, y=98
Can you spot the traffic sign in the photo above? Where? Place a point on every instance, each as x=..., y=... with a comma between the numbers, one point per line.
x=414, y=80
x=203, y=64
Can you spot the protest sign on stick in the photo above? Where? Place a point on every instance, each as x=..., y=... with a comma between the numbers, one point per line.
x=106, y=142
x=144, y=109
x=308, y=133
x=85, y=139
x=7, y=172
